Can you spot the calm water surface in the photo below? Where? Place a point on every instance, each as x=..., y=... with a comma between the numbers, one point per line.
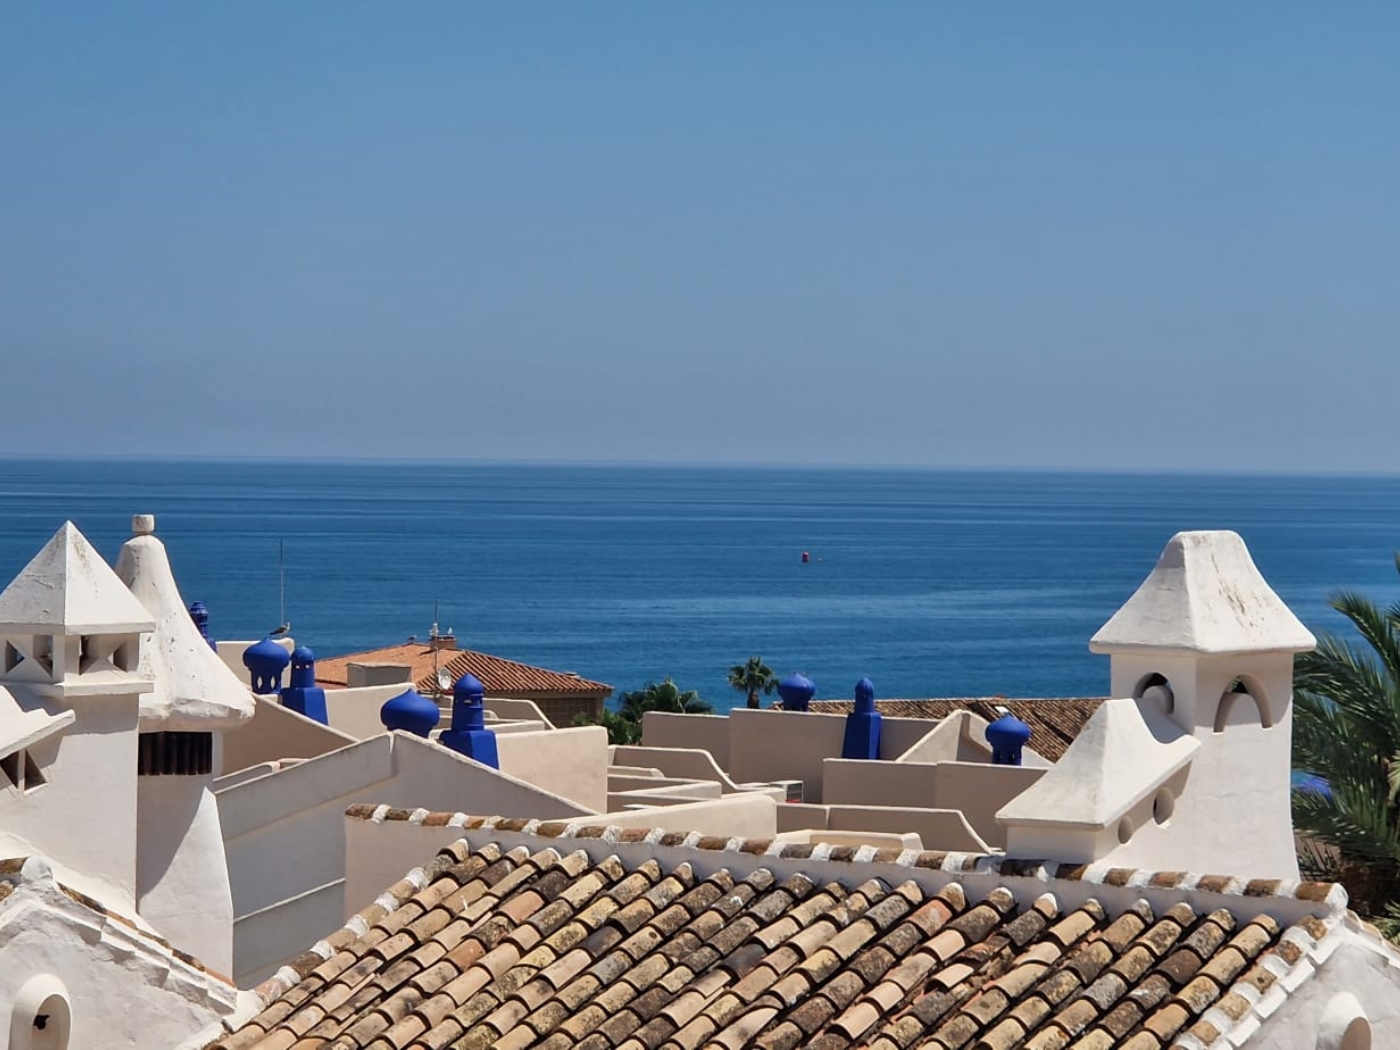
x=932, y=583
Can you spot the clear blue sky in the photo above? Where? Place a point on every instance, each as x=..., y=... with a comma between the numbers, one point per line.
x=1039, y=234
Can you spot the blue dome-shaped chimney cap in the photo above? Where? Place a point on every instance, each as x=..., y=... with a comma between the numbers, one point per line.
x=411, y=712
x=266, y=660
x=865, y=696
x=469, y=687
x=1008, y=735
x=796, y=691
x=266, y=655
x=303, y=668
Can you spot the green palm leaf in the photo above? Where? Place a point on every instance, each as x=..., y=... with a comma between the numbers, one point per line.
x=1346, y=730
x=751, y=678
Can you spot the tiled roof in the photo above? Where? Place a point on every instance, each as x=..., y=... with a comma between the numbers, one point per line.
x=528, y=934
x=1054, y=722
x=503, y=678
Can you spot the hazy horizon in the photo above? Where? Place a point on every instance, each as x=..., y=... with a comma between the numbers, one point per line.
x=214, y=459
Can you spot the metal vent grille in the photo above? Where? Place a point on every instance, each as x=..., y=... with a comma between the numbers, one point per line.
x=176, y=754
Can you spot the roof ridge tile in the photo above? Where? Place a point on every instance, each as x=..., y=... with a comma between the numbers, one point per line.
x=1330, y=896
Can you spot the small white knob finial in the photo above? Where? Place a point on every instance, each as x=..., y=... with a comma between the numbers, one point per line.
x=143, y=524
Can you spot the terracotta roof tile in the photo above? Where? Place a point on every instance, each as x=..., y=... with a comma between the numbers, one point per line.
x=501, y=677
x=1054, y=722
x=552, y=945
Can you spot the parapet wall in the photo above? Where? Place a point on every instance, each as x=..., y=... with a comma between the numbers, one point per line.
x=275, y=733
x=284, y=832
x=380, y=840
x=572, y=763
x=760, y=746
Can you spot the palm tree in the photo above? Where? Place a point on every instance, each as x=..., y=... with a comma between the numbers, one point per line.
x=1346, y=743
x=666, y=697
x=753, y=677
x=624, y=725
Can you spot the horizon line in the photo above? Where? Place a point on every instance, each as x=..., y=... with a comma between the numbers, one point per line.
x=755, y=465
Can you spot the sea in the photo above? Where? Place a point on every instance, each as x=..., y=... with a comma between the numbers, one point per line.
x=929, y=582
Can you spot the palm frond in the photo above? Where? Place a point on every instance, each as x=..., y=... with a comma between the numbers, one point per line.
x=1374, y=625
x=1346, y=731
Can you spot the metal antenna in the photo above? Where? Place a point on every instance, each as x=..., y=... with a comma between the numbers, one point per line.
x=282, y=626
x=281, y=582
x=432, y=640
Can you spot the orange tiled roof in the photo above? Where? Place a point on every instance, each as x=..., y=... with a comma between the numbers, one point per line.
x=1054, y=722
x=528, y=934
x=503, y=678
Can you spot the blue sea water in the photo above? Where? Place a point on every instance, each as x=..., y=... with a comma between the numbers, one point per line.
x=932, y=583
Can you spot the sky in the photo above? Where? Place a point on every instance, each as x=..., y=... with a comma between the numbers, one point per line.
x=1070, y=235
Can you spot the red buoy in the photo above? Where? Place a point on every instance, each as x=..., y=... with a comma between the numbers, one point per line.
x=806, y=557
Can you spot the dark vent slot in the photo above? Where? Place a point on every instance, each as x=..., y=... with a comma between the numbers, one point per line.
x=176, y=754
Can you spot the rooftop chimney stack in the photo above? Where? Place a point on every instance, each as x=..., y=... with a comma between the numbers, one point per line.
x=199, y=613
x=303, y=695
x=796, y=692
x=469, y=735
x=1007, y=735
x=863, y=725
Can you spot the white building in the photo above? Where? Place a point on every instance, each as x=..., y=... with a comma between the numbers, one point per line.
x=1088, y=932
x=165, y=835
x=92, y=863
x=1189, y=767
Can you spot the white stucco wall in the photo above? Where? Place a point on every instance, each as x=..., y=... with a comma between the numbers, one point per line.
x=1203, y=619
x=783, y=745
x=1353, y=968
x=231, y=653
x=85, y=816
x=279, y=932
x=935, y=829
x=899, y=735
x=521, y=710
x=285, y=833
x=635, y=792
x=1235, y=810
x=181, y=876
x=689, y=763
x=745, y=815
x=706, y=732
x=275, y=733
x=1230, y=811
x=572, y=763
x=123, y=989
x=355, y=712
x=754, y=746
x=379, y=853
x=976, y=789
x=281, y=830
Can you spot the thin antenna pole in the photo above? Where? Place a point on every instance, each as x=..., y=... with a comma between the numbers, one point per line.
x=281, y=582
x=437, y=684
